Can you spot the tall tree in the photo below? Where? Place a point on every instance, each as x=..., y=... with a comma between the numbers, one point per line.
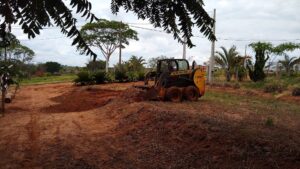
x=262, y=52
x=16, y=50
x=289, y=63
x=228, y=60
x=177, y=17
x=106, y=35
x=152, y=63
x=53, y=67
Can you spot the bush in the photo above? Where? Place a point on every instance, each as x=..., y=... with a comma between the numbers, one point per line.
x=141, y=76
x=269, y=122
x=274, y=87
x=132, y=76
x=110, y=77
x=120, y=73
x=236, y=86
x=296, y=92
x=99, y=77
x=242, y=73
x=84, y=78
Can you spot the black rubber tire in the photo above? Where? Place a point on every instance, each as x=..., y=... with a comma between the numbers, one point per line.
x=191, y=93
x=174, y=94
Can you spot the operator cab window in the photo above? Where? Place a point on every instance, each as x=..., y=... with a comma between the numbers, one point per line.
x=183, y=65
x=173, y=66
x=164, y=66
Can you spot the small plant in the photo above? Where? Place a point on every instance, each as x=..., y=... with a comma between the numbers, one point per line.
x=296, y=91
x=84, y=78
x=236, y=86
x=99, y=77
x=141, y=76
x=120, y=73
x=242, y=73
x=132, y=76
x=269, y=122
x=274, y=87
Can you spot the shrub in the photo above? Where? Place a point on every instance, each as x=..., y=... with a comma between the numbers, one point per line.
x=132, y=76
x=236, y=86
x=269, y=122
x=141, y=76
x=242, y=73
x=296, y=91
x=110, y=77
x=120, y=73
x=84, y=78
x=274, y=87
x=99, y=77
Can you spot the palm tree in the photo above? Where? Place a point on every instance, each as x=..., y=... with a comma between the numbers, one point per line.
x=227, y=59
x=288, y=63
x=136, y=63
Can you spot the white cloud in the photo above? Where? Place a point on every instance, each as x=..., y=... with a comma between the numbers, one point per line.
x=236, y=19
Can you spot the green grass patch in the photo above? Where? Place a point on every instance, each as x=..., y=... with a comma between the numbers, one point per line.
x=49, y=79
x=254, y=103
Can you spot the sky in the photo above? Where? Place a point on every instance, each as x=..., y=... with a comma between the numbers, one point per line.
x=238, y=22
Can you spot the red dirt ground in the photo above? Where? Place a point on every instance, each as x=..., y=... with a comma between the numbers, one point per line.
x=63, y=126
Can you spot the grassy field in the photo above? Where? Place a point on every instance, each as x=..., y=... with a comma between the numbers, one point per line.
x=256, y=104
x=49, y=79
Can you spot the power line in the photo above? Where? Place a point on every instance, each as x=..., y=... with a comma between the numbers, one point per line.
x=196, y=36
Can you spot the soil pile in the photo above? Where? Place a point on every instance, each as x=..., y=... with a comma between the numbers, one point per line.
x=81, y=99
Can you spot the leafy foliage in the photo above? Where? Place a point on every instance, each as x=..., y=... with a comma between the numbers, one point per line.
x=174, y=16
x=285, y=47
x=99, y=77
x=52, y=67
x=33, y=15
x=84, y=78
x=107, y=36
x=228, y=60
x=120, y=73
x=177, y=17
x=274, y=87
x=288, y=63
x=262, y=51
x=94, y=66
x=132, y=70
x=152, y=63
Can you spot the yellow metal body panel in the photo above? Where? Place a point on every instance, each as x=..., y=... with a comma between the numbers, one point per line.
x=199, y=80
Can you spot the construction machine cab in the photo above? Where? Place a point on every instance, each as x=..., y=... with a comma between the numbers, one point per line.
x=172, y=65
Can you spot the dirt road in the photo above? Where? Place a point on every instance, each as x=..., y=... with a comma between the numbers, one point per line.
x=63, y=126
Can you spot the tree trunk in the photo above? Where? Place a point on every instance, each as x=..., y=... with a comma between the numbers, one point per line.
x=107, y=65
x=228, y=76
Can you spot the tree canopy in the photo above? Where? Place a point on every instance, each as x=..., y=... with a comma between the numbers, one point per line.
x=107, y=36
x=52, y=67
x=16, y=50
x=176, y=17
x=262, y=54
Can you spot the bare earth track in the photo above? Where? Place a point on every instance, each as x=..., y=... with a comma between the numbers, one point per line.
x=108, y=126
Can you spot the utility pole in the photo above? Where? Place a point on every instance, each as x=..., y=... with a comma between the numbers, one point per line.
x=184, y=48
x=212, y=57
x=120, y=45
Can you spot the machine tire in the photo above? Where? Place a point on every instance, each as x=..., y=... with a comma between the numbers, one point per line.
x=191, y=93
x=174, y=94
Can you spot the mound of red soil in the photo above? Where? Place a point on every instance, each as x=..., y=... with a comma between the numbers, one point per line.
x=81, y=99
x=137, y=95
